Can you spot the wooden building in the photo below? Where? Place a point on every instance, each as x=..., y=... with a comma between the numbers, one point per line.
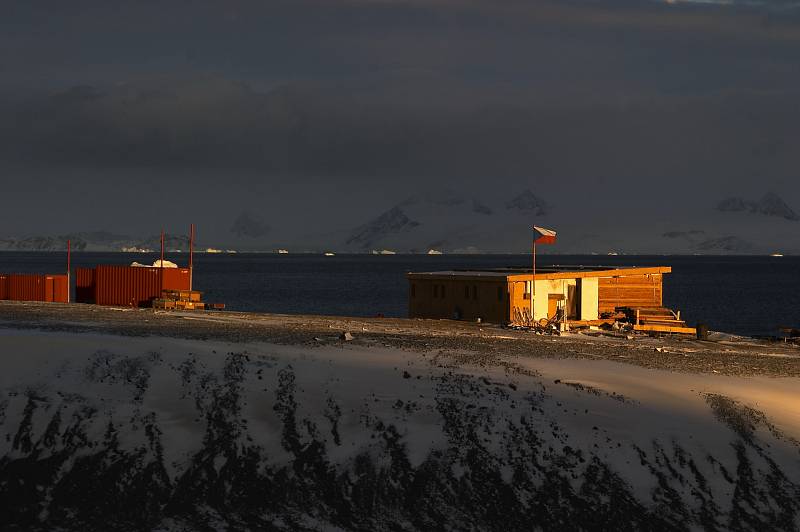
x=504, y=296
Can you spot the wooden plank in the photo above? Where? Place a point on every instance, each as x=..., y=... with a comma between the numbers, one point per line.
x=668, y=323
x=665, y=329
x=588, y=323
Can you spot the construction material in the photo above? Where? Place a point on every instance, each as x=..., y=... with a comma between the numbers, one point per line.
x=184, y=300
x=656, y=319
x=183, y=295
x=665, y=329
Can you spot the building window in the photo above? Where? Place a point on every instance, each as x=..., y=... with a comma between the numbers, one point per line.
x=413, y=290
x=474, y=291
x=436, y=290
x=441, y=289
x=499, y=293
x=466, y=292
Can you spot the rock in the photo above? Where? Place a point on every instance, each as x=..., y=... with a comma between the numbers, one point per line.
x=346, y=336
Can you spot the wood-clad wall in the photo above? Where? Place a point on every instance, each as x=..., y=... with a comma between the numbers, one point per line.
x=630, y=291
x=467, y=299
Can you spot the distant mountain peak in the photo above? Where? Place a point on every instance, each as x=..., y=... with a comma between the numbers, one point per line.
x=729, y=244
x=773, y=205
x=529, y=202
x=770, y=204
x=390, y=222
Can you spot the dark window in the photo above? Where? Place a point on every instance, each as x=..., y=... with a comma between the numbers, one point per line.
x=499, y=293
x=474, y=291
x=442, y=290
x=413, y=290
x=436, y=290
x=466, y=291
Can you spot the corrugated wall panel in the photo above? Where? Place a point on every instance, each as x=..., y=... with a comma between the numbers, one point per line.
x=60, y=288
x=176, y=279
x=33, y=287
x=27, y=287
x=127, y=285
x=84, y=285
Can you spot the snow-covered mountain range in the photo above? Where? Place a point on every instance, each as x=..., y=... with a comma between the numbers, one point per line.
x=769, y=205
x=452, y=223
x=94, y=241
x=465, y=222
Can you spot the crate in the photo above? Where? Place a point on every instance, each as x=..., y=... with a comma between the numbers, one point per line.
x=184, y=300
x=189, y=305
x=165, y=304
x=182, y=295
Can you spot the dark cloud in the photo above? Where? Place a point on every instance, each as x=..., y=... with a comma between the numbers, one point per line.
x=316, y=130
x=628, y=95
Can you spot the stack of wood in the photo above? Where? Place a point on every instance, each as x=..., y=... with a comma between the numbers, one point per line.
x=656, y=319
x=184, y=300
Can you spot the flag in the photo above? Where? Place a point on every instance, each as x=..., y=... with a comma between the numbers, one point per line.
x=543, y=236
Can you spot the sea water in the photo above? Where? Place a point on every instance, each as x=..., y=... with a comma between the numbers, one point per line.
x=749, y=295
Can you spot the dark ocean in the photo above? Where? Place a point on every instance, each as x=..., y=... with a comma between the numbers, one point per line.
x=742, y=295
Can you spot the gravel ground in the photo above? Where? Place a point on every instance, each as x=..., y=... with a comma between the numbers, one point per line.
x=480, y=344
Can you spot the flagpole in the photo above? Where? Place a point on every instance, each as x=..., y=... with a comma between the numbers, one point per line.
x=533, y=279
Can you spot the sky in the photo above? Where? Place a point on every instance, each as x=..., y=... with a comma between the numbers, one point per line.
x=319, y=114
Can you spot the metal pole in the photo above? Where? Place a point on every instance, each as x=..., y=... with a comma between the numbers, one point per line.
x=191, y=256
x=69, y=257
x=161, y=270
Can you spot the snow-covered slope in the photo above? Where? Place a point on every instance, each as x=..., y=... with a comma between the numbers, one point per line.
x=101, y=432
x=453, y=223
x=769, y=205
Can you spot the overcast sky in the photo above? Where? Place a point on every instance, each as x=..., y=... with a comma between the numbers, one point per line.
x=334, y=110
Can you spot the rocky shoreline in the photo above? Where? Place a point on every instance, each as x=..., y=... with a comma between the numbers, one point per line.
x=476, y=343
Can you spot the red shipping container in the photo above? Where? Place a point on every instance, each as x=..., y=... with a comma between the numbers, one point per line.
x=35, y=287
x=26, y=287
x=176, y=279
x=60, y=288
x=84, y=285
x=134, y=286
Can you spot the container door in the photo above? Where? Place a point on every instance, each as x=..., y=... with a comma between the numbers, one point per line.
x=49, y=289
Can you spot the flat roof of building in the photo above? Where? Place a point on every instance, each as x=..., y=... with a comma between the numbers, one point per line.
x=545, y=273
